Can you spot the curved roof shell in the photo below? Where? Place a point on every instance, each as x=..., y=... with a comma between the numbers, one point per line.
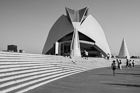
x=91, y=28
x=61, y=28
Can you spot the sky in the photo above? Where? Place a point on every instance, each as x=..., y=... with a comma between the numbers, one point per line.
x=26, y=23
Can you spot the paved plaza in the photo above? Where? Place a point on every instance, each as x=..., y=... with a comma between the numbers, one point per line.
x=99, y=80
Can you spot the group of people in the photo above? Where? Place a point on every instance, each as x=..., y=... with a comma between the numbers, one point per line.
x=130, y=63
x=115, y=66
x=119, y=64
x=85, y=54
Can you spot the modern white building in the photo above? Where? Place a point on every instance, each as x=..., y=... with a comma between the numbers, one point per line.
x=123, y=53
x=75, y=32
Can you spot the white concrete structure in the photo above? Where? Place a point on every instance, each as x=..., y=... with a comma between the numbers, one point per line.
x=124, y=50
x=76, y=32
x=75, y=45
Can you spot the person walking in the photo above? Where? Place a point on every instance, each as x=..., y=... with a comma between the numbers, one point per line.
x=127, y=63
x=130, y=64
x=113, y=66
x=133, y=63
x=108, y=56
x=86, y=54
x=120, y=65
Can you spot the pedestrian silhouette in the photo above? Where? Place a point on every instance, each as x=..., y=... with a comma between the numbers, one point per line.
x=113, y=66
x=133, y=63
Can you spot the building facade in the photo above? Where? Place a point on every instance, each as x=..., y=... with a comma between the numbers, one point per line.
x=75, y=32
x=12, y=48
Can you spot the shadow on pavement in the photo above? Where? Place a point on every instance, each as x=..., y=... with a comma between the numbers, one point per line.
x=128, y=74
x=105, y=74
x=127, y=85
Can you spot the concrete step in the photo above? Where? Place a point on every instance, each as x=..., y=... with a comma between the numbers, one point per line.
x=10, y=73
x=34, y=79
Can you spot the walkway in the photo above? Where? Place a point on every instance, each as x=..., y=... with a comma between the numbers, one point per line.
x=99, y=80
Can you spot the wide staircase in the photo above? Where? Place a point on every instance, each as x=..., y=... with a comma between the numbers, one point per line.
x=21, y=72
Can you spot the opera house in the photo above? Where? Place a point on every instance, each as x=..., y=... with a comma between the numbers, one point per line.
x=75, y=32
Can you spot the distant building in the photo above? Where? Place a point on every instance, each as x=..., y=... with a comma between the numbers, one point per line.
x=21, y=51
x=124, y=53
x=12, y=48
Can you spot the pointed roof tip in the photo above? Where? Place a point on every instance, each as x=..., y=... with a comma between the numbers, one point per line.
x=65, y=7
x=123, y=40
x=87, y=7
